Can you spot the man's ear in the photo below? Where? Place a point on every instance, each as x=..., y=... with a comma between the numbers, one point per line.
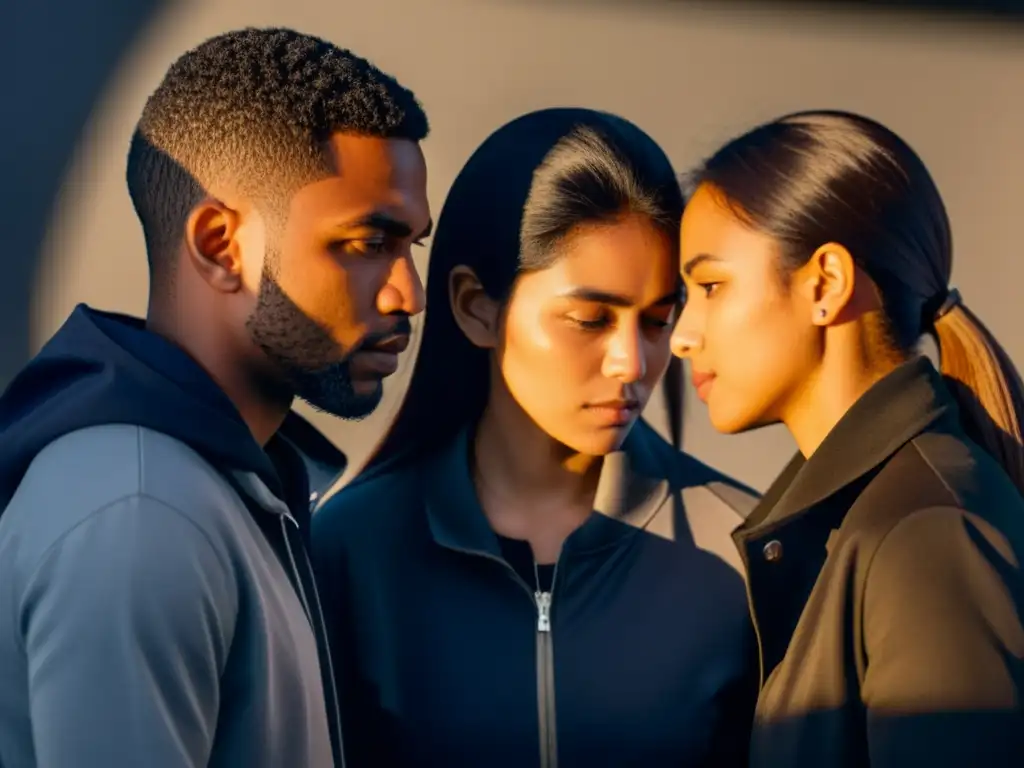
x=829, y=279
x=477, y=314
x=213, y=248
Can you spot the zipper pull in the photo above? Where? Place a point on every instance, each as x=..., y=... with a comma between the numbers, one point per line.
x=543, y=611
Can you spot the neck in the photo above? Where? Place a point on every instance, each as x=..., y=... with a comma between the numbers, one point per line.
x=828, y=394
x=519, y=460
x=262, y=405
x=529, y=484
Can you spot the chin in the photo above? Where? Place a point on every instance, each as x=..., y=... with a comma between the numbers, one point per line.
x=735, y=422
x=601, y=443
x=368, y=388
x=730, y=422
x=350, y=403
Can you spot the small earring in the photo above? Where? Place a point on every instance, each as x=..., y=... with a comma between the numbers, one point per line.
x=822, y=312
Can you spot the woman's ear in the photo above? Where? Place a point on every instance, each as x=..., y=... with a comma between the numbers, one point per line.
x=829, y=278
x=476, y=313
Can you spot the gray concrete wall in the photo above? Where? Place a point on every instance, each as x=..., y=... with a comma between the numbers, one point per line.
x=691, y=75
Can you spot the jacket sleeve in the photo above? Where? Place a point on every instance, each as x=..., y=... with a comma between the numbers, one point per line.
x=944, y=643
x=126, y=621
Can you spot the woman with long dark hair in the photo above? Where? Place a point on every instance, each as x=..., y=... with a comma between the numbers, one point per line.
x=528, y=574
x=884, y=564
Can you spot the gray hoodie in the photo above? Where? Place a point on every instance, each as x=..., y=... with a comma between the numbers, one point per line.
x=156, y=603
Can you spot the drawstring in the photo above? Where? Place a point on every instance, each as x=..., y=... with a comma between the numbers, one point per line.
x=251, y=489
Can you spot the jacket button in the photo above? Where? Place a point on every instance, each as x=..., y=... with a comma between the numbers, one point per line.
x=773, y=551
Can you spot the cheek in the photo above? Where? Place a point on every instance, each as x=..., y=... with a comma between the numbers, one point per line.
x=339, y=297
x=526, y=335
x=757, y=350
x=545, y=364
x=529, y=359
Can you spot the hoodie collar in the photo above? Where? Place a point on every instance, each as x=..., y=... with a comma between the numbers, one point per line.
x=107, y=368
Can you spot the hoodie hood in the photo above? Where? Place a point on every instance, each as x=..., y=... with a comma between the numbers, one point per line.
x=104, y=368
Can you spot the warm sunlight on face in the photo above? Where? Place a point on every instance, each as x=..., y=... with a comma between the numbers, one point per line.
x=746, y=335
x=586, y=340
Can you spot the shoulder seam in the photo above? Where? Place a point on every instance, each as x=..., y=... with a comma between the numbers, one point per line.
x=935, y=471
x=139, y=463
x=98, y=511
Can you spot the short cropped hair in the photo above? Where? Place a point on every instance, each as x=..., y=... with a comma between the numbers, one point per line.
x=251, y=109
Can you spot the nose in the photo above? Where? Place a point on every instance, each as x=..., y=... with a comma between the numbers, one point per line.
x=625, y=357
x=685, y=340
x=403, y=292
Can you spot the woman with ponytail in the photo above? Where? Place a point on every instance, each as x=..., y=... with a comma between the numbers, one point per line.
x=884, y=565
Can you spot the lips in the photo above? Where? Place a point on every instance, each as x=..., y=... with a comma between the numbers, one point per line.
x=371, y=364
x=702, y=383
x=392, y=345
x=379, y=359
x=615, y=413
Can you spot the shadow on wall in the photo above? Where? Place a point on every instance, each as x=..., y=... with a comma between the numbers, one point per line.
x=60, y=56
x=1011, y=10
x=937, y=77
x=57, y=57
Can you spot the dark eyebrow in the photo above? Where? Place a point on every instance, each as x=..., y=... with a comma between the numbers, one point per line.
x=700, y=258
x=387, y=225
x=615, y=300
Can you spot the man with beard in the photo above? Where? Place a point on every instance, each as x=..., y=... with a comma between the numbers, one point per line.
x=156, y=604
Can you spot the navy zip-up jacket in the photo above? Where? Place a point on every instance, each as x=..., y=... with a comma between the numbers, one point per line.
x=640, y=653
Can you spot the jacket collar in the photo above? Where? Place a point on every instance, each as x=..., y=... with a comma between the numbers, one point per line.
x=907, y=402
x=810, y=500
x=631, y=489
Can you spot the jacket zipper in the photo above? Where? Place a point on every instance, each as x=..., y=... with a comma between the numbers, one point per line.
x=545, y=658
x=332, y=687
x=546, y=677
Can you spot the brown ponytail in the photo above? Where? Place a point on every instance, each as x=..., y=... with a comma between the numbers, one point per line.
x=986, y=385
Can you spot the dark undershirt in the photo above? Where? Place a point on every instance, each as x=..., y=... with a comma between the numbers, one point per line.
x=519, y=555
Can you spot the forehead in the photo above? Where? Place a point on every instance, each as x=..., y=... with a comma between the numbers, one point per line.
x=369, y=175
x=628, y=258
x=710, y=227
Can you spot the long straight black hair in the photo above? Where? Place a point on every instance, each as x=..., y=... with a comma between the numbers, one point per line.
x=527, y=187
